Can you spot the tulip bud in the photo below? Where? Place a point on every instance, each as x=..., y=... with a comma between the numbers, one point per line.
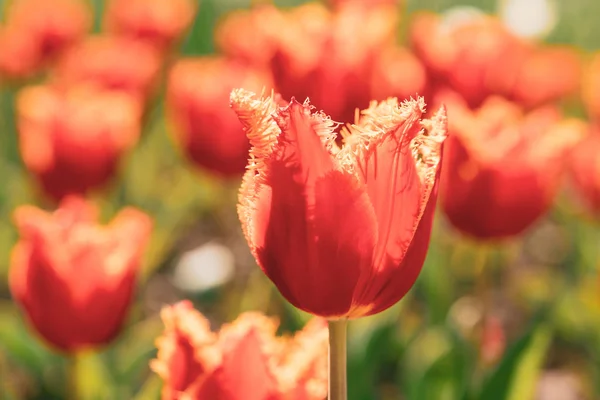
x=71, y=139
x=74, y=278
x=161, y=23
x=503, y=166
x=203, y=123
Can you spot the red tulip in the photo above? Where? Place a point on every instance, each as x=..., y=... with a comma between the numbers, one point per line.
x=198, y=104
x=585, y=170
x=39, y=30
x=244, y=361
x=160, y=22
x=591, y=87
x=111, y=62
x=73, y=277
x=329, y=57
x=477, y=56
x=71, y=140
x=250, y=36
x=342, y=232
x=502, y=166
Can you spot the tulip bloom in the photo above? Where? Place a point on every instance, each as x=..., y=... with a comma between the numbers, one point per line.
x=591, y=87
x=244, y=361
x=585, y=170
x=73, y=277
x=502, y=166
x=71, y=140
x=162, y=23
x=111, y=62
x=477, y=56
x=198, y=105
x=39, y=30
x=342, y=232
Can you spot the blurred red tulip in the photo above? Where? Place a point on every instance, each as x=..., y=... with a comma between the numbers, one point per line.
x=111, y=62
x=329, y=57
x=591, y=87
x=342, y=232
x=160, y=22
x=585, y=170
x=73, y=277
x=250, y=36
x=547, y=74
x=397, y=73
x=365, y=3
x=36, y=31
x=493, y=340
x=502, y=166
x=71, y=140
x=198, y=105
x=244, y=361
x=477, y=56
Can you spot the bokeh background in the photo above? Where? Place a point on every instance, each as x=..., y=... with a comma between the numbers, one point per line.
x=515, y=320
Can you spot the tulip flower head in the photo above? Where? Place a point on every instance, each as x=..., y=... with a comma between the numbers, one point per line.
x=74, y=278
x=503, y=166
x=71, y=139
x=113, y=63
x=341, y=231
x=203, y=123
x=39, y=30
x=585, y=170
x=477, y=56
x=161, y=23
x=243, y=361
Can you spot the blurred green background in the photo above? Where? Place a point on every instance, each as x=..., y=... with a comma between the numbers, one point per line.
x=543, y=287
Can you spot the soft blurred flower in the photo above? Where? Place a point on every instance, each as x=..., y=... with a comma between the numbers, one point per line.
x=591, y=87
x=73, y=277
x=36, y=31
x=477, y=56
x=342, y=232
x=329, y=57
x=198, y=105
x=160, y=22
x=244, y=361
x=492, y=340
x=205, y=267
x=365, y=3
x=528, y=18
x=585, y=170
x=71, y=140
x=250, y=36
x=111, y=62
x=502, y=166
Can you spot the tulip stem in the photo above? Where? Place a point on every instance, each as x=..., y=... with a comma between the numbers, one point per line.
x=338, y=387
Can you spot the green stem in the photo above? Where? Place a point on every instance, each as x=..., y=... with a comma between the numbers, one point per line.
x=338, y=387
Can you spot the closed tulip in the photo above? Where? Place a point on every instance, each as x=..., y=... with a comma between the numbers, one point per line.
x=71, y=140
x=204, y=125
x=503, y=166
x=341, y=231
x=161, y=23
x=73, y=277
x=243, y=361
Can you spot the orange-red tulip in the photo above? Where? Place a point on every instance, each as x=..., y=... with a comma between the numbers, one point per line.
x=502, y=166
x=72, y=140
x=477, y=56
x=111, y=62
x=342, y=232
x=244, y=361
x=160, y=22
x=585, y=170
x=73, y=277
x=40, y=30
x=198, y=105
x=591, y=87
x=329, y=57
